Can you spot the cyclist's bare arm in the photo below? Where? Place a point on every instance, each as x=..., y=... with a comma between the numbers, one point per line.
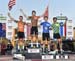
x=12, y=18
x=23, y=13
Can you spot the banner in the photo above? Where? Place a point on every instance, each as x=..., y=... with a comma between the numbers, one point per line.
x=2, y=29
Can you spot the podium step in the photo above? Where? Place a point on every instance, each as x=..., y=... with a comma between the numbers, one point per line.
x=33, y=56
x=47, y=57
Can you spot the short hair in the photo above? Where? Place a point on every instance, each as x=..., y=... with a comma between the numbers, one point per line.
x=20, y=16
x=46, y=17
x=54, y=18
x=33, y=11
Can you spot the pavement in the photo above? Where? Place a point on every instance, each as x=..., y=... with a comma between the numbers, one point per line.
x=6, y=58
x=10, y=58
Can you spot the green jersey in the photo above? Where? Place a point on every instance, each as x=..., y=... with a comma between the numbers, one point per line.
x=55, y=27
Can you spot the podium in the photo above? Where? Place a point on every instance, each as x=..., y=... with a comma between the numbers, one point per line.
x=48, y=57
x=33, y=52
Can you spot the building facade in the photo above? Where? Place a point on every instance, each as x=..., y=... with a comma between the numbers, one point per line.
x=9, y=29
x=74, y=33
x=69, y=29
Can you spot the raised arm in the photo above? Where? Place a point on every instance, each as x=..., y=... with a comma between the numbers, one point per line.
x=12, y=18
x=23, y=13
x=40, y=16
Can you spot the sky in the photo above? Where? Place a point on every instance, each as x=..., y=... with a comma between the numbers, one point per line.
x=66, y=7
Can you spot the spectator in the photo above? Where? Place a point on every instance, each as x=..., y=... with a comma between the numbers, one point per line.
x=9, y=48
x=0, y=48
x=3, y=48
